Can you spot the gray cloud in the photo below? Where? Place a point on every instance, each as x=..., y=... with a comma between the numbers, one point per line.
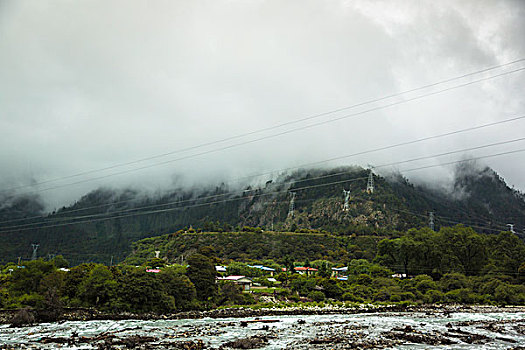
x=89, y=84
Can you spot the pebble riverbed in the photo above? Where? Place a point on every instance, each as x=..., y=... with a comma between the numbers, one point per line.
x=382, y=330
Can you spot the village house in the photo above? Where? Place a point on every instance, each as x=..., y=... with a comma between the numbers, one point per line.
x=263, y=268
x=245, y=282
x=305, y=270
x=220, y=269
x=340, y=272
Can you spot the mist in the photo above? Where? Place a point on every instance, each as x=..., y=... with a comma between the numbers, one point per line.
x=92, y=85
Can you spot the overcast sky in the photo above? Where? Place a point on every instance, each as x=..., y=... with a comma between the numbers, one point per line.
x=86, y=85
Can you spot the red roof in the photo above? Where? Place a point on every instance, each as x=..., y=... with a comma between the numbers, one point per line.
x=302, y=268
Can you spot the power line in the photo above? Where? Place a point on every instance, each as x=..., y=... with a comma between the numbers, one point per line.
x=315, y=116
x=478, y=217
x=310, y=164
x=254, y=196
x=495, y=228
x=258, y=139
x=294, y=182
x=290, y=182
x=384, y=148
x=464, y=160
x=445, y=219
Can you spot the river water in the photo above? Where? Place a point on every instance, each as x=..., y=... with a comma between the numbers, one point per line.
x=496, y=330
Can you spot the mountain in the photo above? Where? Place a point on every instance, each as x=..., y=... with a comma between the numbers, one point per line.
x=101, y=225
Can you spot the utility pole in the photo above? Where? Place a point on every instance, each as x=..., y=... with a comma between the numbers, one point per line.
x=292, y=205
x=370, y=183
x=35, y=248
x=511, y=228
x=431, y=220
x=347, y=198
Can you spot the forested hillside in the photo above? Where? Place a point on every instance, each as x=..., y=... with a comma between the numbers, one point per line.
x=101, y=225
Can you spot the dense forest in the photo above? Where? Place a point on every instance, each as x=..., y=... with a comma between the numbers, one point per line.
x=454, y=265
x=101, y=226
x=416, y=251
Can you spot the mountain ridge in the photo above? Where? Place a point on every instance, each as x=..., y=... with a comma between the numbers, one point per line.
x=101, y=225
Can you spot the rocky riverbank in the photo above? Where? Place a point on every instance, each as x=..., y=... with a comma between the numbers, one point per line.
x=429, y=326
x=87, y=314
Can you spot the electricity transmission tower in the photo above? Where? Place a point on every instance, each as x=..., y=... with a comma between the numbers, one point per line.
x=347, y=198
x=431, y=220
x=370, y=184
x=292, y=205
x=35, y=248
x=511, y=228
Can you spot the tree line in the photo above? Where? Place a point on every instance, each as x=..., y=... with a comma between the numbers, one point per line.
x=454, y=265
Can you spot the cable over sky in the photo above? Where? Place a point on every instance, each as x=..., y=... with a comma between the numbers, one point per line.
x=185, y=94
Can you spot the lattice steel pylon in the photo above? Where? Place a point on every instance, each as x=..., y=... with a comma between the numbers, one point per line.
x=511, y=228
x=347, y=199
x=292, y=205
x=35, y=248
x=431, y=220
x=370, y=183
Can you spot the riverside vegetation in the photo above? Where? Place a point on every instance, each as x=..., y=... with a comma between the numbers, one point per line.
x=454, y=265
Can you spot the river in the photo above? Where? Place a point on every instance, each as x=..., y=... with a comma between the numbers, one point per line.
x=390, y=330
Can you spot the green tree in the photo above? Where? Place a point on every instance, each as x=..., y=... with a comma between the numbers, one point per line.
x=99, y=288
x=331, y=288
x=452, y=281
x=27, y=280
x=507, y=253
x=465, y=249
x=398, y=254
x=179, y=287
x=72, y=281
x=60, y=262
x=139, y=291
x=289, y=264
x=201, y=272
x=230, y=294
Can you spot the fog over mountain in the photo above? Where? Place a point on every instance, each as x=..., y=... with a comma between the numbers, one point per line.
x=91, y=85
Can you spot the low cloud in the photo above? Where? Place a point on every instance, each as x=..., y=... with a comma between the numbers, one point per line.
x=89, y=84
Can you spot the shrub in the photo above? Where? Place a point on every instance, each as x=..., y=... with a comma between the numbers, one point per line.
x=425, y=283
x=331, y=288
x=380, y=282
x=248, y=299
x=452, y=281
x=463, y=296
x=382, y=294
x=360, y=291
x=395, y=298
x=433, y=296
x=352, y=297
x=364, y=279
x=407, y=296
x=316, y=295
x=380, y=271
x=294, y=297
x=34, y=300
x=510, y=294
